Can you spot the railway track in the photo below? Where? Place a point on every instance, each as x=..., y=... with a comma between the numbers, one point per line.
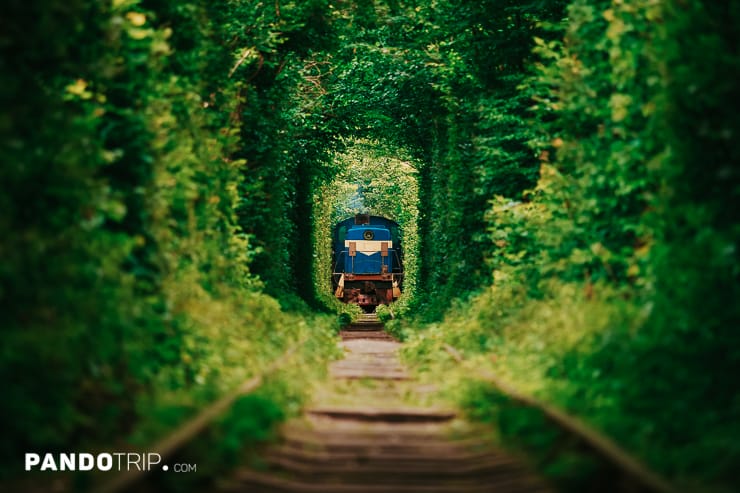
x=374, y=429
x=367, y=432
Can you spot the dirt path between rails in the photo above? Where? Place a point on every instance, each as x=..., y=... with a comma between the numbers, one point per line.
x=373, y=429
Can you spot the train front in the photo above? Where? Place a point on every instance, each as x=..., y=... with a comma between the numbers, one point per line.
x=367, y=269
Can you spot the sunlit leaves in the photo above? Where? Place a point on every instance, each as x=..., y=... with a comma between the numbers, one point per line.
x=137, y=19
x=79, y=88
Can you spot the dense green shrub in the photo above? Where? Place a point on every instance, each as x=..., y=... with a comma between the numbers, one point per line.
x=126, y=137
x=613, y=278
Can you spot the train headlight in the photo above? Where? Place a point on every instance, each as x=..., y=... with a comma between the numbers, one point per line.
x=368, y=235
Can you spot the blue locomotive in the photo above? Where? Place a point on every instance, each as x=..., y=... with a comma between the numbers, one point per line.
x=367, y=261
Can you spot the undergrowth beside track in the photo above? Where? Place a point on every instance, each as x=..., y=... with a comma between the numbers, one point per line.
x=595, y=358
x=236, y=437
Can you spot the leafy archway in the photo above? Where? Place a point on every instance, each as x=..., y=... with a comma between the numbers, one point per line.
x=374, y=179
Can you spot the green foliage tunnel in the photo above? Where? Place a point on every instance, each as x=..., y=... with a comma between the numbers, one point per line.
x=569, y=181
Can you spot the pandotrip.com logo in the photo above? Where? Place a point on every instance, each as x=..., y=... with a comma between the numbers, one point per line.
x=106, y=461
